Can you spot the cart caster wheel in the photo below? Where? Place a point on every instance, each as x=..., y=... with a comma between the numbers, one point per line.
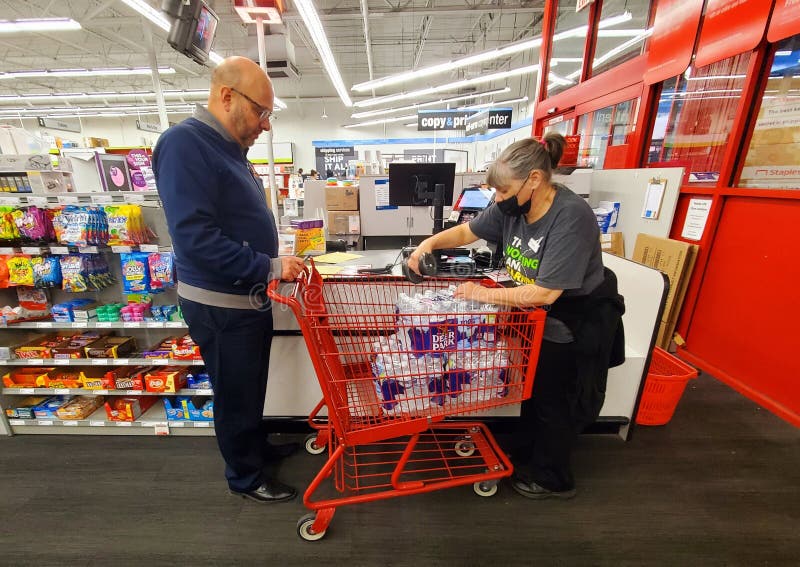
x=465, y=448
x=311, y=445
x=484, y=489
x=304, y=528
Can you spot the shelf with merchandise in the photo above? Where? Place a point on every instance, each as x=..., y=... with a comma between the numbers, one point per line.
x=63, y=250
x=151, y=422
x=97, y=325
x=99, y=362
x=147, y=198
x=87, y=392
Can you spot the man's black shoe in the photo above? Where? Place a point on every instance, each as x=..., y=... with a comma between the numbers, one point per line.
x=280, y=450
x=535, y=492
x=269, y=491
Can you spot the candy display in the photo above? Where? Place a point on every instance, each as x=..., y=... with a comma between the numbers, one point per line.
x=34, y=224
x=135, y=272
x=76, y=346
x=162, y=271
x=85, y=272
x=81, y=226
x=23, y=409
x=20, y=270
x=128, y=408
x=80, y=407
x=167, y=379
x=46, y=271
x=111, y=347
x=126, y=225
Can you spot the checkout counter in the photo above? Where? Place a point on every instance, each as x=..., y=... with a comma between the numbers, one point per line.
x=293, y=390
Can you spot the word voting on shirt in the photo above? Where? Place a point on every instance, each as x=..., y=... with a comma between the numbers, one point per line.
x=522, y=259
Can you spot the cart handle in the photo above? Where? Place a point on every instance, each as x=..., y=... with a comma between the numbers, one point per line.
x=291, y=300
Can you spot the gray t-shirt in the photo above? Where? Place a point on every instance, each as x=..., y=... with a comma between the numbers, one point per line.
x=561, y=250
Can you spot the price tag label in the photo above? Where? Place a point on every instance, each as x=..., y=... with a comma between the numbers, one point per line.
x=9, y=200
x=60, y=362
x=124, y=424
x=176, y=424
x=133, y=324
x=61, y=391
x=44, y=422
x=16, y=422
x=6, y=251
x=59, y=250
x=35, y=361
x=88, y=249
x=155, y=325
x=102, y=199
x=78, y=325
x=68, y=199
x=121, y=249
x=37, y=201
x=70, y=423
x=134, y=198
x=175, y=324
x=136, y=392
x=103, y=325
x=99, y=362
x=161, y=429
x=150, y=248
x=122, y=361
x=101, y=392
x=32, y=250
x=160, y=361
x=44, y=325
x=26, y=390
x=205, y=392
x=97, y=423
x=202, y=424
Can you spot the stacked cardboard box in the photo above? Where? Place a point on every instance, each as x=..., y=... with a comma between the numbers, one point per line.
x=342, y=206
x=676, y=259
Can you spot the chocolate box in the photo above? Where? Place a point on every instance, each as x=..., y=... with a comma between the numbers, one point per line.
x=74, y=347
x=80, y=407
x=111, y=347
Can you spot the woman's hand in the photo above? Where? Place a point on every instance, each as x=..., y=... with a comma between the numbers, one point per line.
x=471, y=290
x=413, y=260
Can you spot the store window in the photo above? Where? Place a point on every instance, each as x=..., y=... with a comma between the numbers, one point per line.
x=622, y=32
x=605, y=134
x=773, y=159
x=569, y=42
x=695, y=116
x=563, y=127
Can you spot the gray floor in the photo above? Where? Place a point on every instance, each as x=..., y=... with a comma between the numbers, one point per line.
x=719, y=486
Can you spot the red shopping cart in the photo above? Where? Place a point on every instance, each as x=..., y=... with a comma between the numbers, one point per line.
x=389, y=378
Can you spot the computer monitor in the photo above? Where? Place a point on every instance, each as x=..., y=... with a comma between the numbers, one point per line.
x=474, y=199
x=413, y=184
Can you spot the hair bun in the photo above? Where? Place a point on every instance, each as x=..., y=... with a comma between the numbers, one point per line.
x=554, y=143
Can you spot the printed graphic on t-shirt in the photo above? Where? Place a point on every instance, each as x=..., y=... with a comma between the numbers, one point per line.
x=522, y=261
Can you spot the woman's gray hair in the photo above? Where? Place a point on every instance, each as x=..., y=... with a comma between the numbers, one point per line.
x=522, y=157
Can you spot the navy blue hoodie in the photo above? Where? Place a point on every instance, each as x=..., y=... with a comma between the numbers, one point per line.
x=223, y=234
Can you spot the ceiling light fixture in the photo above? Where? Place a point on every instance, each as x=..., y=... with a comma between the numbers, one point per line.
x=448, y=87
x=38, y=25
x=150, y=13
x=317, y=33
x=614, y=52
x=382, y=121
x=85, y=72
x=496, y=53
x=215, y=58
x=491, y=104
x=426, y=104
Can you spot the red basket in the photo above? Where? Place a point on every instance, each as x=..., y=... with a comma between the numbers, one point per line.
x=666, y=381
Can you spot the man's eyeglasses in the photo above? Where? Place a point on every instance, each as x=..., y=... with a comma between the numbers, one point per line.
x=263, y=113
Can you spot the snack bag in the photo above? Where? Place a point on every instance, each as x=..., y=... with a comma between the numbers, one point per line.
x=73, y=273
x=162, y=271
x=20, y=270
x=135, y=272
x=46, y=271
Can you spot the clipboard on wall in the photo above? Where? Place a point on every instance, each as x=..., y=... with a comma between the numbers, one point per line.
x=654, y=197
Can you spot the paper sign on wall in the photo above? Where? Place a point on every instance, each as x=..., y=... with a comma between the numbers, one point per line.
x=696, y=218
x=653, y=198
x=382, y=195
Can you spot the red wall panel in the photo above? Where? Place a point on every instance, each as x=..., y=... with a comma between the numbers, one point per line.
x=785, y=20
x=672, y=43
x=731, y=27
x=747, y=318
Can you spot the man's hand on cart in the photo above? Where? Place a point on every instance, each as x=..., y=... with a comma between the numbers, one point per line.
x=471, y=290
x=291, y=267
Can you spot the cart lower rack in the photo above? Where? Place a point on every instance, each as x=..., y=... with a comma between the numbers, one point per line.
x=393, y=360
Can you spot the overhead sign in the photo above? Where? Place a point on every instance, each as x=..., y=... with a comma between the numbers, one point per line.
x=148, y=126
x=334, y=159
x=785, y=20
x=66, y=125
x=672, y=42
x=582, y=4
x=494, y=119
x=731, y=27
x=428, y=120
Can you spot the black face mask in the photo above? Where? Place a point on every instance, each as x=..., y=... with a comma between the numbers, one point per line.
x=512, y=208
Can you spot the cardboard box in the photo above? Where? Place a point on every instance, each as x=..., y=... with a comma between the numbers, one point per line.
x=111, y=347
x=128, y=408
x=85, y=173
x=341, y=198
x=675, y=259
x=613, y=243
x=50, y=182
x=344, y=222
x=309, y=241
x=93, y=142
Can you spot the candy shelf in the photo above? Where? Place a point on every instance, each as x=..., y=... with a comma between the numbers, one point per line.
x=152, y=422
x=97, y=325
x=149, y=198
x=99, y=362
x=85, y=392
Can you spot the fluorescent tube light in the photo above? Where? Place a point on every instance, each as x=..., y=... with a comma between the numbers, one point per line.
x=783, y=53
x=86, y=72
x=614, y=52
x=491, y=104
x=38, y=25
x=382, y=121
x=425, y=104
x=716, y=77
x=448, y=87
x=317, y=33
x=488, y=55
x=215, y=57
x=150, y=13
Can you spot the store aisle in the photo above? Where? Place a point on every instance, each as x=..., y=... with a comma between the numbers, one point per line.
x=718, y=486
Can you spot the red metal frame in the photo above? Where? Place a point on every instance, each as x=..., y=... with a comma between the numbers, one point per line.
x=548, y=30
x=591, y=40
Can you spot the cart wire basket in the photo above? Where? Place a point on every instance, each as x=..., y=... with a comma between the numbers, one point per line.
x=389, y=378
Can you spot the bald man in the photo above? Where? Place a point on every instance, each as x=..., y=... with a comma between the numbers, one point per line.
x=226, y=251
